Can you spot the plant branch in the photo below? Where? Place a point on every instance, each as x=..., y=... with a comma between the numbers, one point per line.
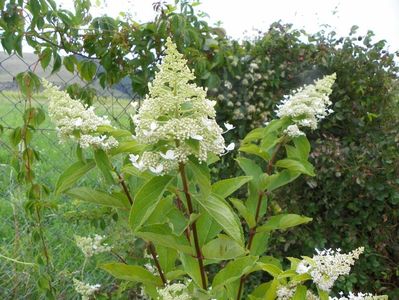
x=180, y=206
x=193, y=225
x=154, y=255
x=124, y=187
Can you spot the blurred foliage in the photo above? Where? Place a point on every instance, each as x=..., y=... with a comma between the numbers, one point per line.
x=354, y=197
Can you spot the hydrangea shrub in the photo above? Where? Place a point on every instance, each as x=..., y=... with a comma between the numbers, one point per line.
x=190, y=224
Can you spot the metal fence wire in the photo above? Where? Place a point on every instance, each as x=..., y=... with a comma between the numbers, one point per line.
x=18, y=268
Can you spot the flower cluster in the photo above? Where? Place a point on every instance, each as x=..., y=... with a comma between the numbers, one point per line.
x=74, y=120
x=174, y=291
x=286, y=292
x=352, y=296
x=85, y=289
x=92, y=245
x=175, y=119
x=308, y=105
x=328, y=265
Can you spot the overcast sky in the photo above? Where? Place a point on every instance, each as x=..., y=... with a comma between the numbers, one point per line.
x=240, y=16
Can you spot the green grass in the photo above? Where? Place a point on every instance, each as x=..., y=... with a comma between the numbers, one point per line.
x=64, y=219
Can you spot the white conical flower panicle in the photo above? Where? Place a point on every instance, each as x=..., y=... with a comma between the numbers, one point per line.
x=328, y=265
x=176, y=118
x=308, y=105
x=75, y=121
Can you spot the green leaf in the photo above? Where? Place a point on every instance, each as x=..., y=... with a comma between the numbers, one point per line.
x=56, y=63
x=72, y=174
x=271, y=292
x=28, y=82
x=303, y=167
x=270, y=268
x=97, y=197
x=69, y=63
x=300, y=293
x=226, y=187
x=104, y=164
x=131, y=273
x=163, y=236
x=167, y=259
x=45, y=57
x=224, y=215
x=222, y=248
x=147, y=199
x=255, y=150
x=244, y=212
x=234, y=270
x=207, y=227
x=303, y=146
x=260, y=243
x=131, y=147
x=201, y=176
x=254, y=135
x=250, y=168
x=279, y=179
x=87, y=70
x=283, y=221
x=190, y=266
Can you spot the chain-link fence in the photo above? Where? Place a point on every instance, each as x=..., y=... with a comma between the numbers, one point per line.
x=19, y=270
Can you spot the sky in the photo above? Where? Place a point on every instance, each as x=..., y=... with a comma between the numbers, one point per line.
x=241, y=17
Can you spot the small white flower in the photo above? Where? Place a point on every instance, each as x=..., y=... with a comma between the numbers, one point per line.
x=228, y=127
x=293, y=131
x=170, y=154
x=139, y=165
x=157, y=170
x=153, y=126
x=133, y=158
x=197, y=137
x=303, y=267
x=230, y=147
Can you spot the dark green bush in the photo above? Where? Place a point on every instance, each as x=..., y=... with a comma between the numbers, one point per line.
x=355, y=195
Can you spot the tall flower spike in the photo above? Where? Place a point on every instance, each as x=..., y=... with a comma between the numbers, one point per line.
x=308, y=105
x=176, y=118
